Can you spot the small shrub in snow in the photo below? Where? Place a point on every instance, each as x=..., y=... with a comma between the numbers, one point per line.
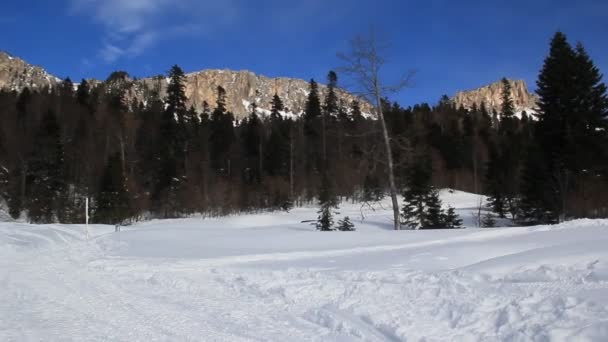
x=346, y=225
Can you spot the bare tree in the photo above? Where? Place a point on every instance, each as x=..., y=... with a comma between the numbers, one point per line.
x=364, y=63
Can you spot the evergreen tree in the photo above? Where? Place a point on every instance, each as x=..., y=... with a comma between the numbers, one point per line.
x=495, y=183
x=536, y=205
x=451, y=219
x=253, y=139
x=507, y=107
x=572, y=111
x=312, y=109
x=176, y=94
x=488, y=220
x=328, y=204
x=278, y=143
x=45, y=182
x=415, y=193
x=83, y=94
x=434, y=215
x=112, y=201
x=346, y=225
x=222, y=135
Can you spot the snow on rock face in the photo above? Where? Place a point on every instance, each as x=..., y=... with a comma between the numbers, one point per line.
x=16, y=74
x=245, y=87
x=491, y=95
x=241, y=87
x=270, y=277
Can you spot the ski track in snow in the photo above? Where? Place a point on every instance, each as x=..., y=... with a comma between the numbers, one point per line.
x=268, y=277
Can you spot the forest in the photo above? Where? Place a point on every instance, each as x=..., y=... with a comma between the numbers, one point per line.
x=157, y=158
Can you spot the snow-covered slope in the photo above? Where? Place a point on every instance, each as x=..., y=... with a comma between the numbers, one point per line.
x=269, y=277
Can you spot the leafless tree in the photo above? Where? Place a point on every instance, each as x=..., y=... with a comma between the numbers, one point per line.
x=364, y=64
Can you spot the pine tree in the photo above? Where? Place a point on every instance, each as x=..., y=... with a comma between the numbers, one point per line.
x=488, y=220
x=346, y=225
x=571, y=127
x=222, y=135
x=312, y=109
x=45, y=181
x=451, y=219
x=252, y=131
x=495, y=183
x=434, y=215
x=328, y=204
x=535, y=206
x=416, y=191
x=83, y=94
x=507, y=107
x=112, y=201
x=176, y=94
x=277, y=152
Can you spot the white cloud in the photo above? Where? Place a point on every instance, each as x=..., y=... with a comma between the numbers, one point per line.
x=110, y=53
x=132, y=26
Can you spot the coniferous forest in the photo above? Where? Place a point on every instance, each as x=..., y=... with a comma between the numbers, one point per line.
x=160, y=159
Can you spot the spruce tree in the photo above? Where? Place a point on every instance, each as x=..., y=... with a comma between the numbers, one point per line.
x=328, y=204
x=45, y=181
x=415, y=193
x=345, y=225
x=278, y=143
x=451, y=219
x=222, y=135
x=571, y=128
x=112, y=200
x=434, y=215
x=488, y=220
x=312, y=109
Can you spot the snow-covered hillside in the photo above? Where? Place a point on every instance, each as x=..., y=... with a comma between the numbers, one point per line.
x=269, y=277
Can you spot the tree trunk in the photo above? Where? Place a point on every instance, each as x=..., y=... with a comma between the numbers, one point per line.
x=389, y=157
x=291, y=163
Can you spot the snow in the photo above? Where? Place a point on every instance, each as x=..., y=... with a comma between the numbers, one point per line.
x=270, y=277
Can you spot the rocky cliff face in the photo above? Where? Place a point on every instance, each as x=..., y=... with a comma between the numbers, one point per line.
x=244, y=88
x=16, y=74
x=491, y=96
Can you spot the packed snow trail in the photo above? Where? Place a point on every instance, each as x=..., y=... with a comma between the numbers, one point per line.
x=269, y=277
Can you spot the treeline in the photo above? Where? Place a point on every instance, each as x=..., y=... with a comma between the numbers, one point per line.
x=159, y=158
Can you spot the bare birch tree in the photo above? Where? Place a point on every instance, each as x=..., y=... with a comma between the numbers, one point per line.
x=364, y=63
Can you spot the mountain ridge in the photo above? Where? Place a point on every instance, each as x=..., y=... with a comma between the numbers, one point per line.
x=244, y=88
x=491, y=96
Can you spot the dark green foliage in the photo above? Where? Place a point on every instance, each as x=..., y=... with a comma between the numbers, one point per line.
x=416, y=192
x=328, y=203
x=331, y=99
x=507, y=107
x=179, y=162
x=495, y=183
x=312, y=110
x=112, y=201
x=488, y=220
x=537, y=205
x=45, y=182
x=451, y=219
x=421, y=204
x=277, y=156
x=434, y=215
x=222, y=135
x=345, y=225
x=572, y=127
x=372, y=188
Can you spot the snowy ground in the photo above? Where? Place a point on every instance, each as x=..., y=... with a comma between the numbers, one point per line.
x=269, y=277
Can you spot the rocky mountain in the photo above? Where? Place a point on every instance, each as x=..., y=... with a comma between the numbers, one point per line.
x=16, y=74
x=491, y=96
x=243, y=88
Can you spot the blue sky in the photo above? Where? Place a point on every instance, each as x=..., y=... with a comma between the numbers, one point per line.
x=452, y=45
